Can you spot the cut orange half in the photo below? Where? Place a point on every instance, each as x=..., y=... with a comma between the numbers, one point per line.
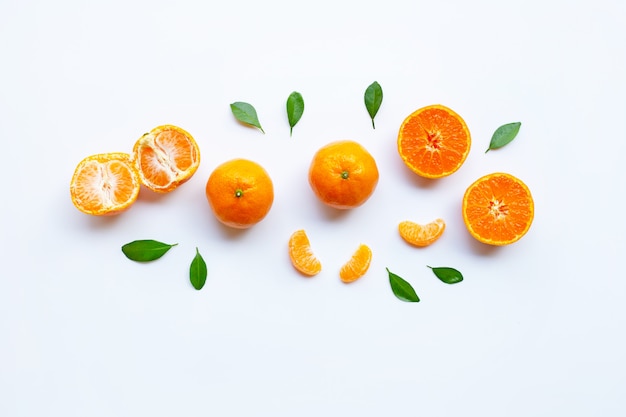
x=301, y=255
x=498, y=209
x=104, y=184
x=421, y=234
x=434, y=141
x=357, y=266
x=165, y=158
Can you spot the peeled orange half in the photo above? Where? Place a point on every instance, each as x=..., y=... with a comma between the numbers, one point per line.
x=104, y=184
x=498, y=209
x=301, y=254
x=434, y=141
x=165, y=158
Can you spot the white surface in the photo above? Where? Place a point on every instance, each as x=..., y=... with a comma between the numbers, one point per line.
x=536, y=328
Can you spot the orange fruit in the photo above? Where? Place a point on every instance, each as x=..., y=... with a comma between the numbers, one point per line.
x=240, y=193
x=301, y=254
x=165, y=158
x=421, y=234
x=434, y=141
x=357, y=266
x=343, y=174
x=104, y=184
x=498, y=209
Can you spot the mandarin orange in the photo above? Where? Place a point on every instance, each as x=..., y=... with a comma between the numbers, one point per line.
x=104, y=184
x=343, y=174
x=498, y=209
x=165, y=158
x=240, y=193
x=434, y=141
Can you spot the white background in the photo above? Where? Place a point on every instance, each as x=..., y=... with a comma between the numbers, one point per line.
x=536, y=328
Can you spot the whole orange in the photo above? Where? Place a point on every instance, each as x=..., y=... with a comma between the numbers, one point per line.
x=240, y=193
x=343, y=174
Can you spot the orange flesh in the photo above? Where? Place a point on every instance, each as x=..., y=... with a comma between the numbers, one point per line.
x=421, y=235
x=498, y=209
x=357, y=266
x=301, y=255
x=434, y=141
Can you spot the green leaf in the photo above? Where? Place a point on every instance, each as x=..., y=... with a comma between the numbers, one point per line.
x=197, y=271
x=373, y=100
x=246, y=113
x=447, y=275
x=402, y=289
x=295, y=108
x=146, y=250
x=503, y=135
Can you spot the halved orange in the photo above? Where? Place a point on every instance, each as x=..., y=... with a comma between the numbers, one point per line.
x=165, y=158
x=301, y=254
x=421, y=234
x=498, y=209
x=434, y=141
x=358, y=264
x=104, y=184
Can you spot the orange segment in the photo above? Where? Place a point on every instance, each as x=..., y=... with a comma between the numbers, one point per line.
x=421, y=235
x=104, y=184
x=498, y=209
x=166, y=157
x=434, y=141
x=357, y=266
x=301, y=255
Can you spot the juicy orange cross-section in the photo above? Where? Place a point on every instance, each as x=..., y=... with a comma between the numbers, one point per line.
x=104, y=184
x=434, y=141
x=421, y=234
x=301, y=254
x=498, y=209
x=358, y=264
x=166, y=157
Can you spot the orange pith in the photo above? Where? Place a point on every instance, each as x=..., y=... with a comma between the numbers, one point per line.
x=240, y=193
x=498, y=209
x=434, y=141
x=343, y=174
x=357, y=266
x=104, y=184
x=301, y=254
x=421, y=234
x=165, y=158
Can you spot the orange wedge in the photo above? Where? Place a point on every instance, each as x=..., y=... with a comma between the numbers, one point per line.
x=104, y=184
x=421, y=234
x=301, y=255
x=357, y=266
x=165, y=158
